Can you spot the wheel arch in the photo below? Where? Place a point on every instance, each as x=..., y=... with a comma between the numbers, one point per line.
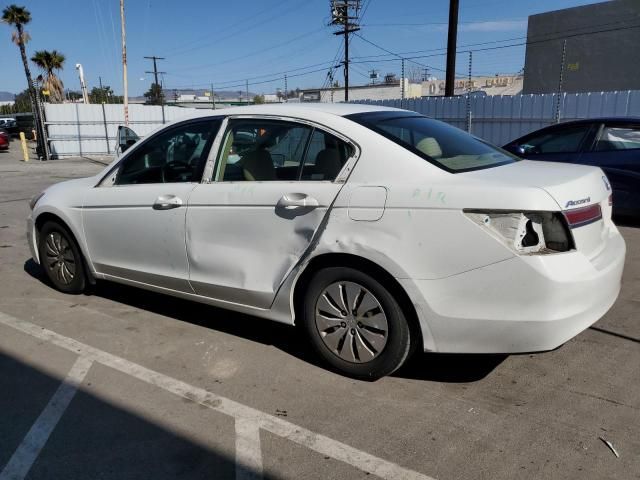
x=326, y=260
x=47, y=216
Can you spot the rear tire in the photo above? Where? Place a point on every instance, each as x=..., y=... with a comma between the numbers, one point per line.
x=61, y=258
x=355, y=324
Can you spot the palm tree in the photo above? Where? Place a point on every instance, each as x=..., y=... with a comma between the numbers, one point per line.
x=49, y=61
x=19, y=17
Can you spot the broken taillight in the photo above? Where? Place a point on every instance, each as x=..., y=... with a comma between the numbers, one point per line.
x=578, y=217
x=526, y=232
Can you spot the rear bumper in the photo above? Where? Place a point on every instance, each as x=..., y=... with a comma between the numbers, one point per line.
x=523, y=304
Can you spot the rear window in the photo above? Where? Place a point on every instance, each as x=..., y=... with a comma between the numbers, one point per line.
x=441, y=144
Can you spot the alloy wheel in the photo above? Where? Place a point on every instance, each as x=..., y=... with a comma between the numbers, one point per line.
x=60, y=260
x=351, y=322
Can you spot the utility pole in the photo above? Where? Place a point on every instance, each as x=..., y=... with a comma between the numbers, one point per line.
x=213, y=99
x=344, y=13
x=247, y=90
x=286, y=91
x=451, y=48
x=124, y=65
x=559, y=98
x=155, y=76
x=469, y=92
x=402, y=80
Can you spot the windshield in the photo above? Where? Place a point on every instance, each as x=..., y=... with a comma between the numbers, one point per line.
x=443, y=145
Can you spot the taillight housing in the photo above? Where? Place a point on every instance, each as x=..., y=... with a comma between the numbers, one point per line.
x=526, y=232
x=579, y=217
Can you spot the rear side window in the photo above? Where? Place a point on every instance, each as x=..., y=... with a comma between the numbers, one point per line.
x=619, y=138
x=326, y=155
x=257, y=150
x=443, y=145
x=567, y=140
x=262, y=150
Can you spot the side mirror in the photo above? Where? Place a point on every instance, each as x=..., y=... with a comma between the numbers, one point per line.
x=515, y=149
x=127, y=144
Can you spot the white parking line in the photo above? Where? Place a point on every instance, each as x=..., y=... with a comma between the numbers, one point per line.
x=248, y=451
x=26, y=454
x=314, y=441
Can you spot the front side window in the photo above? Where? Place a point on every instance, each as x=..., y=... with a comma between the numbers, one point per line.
x=262, y=150
x=175, y=155
x=619, y=138
x=441, y=144
x=567, y=140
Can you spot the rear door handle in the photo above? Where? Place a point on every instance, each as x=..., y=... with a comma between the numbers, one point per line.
x=290, y=201
x=167, y=202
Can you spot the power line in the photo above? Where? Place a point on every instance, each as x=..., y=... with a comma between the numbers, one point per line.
x=238, y=31
x=255, y=52
x=506, y=46
x=462, y=48
x=408, y=56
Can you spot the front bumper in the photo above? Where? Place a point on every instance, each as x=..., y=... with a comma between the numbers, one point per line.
x=523, y=304
x=31, y=239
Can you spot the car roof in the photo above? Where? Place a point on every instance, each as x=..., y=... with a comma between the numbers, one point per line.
x=581, y=121
x=600, y=120
x=303, y=110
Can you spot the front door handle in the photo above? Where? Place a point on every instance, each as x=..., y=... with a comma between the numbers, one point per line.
x=290, y=201
x=167, y=202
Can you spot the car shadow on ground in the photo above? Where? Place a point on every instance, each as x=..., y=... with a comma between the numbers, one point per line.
x=458, y=368
x=97, y=438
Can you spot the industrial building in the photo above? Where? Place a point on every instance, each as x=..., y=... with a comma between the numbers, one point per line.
x=595, y=48
x=391, y=90
x=489, y=85
x=388, y=90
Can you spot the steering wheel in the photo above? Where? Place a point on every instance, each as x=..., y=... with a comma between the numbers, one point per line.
x=173, y=171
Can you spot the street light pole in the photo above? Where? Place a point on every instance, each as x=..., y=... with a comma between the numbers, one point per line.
x=124, y=65
x=83, y=85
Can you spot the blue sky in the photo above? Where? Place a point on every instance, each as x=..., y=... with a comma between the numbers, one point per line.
x=225, y=43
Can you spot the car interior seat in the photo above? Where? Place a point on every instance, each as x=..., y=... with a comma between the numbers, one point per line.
x=257, y=165
x=430, y=146
x=328, y=163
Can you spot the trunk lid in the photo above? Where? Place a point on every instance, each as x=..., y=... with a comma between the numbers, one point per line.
x=574, y=188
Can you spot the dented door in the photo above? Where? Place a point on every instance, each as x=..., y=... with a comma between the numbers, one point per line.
x=243, y=238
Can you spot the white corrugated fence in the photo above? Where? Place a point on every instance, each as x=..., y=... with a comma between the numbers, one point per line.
x=500, y=119
x=79, y=129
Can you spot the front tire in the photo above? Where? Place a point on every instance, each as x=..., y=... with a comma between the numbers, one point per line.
x=355, y=324
x=61, y=258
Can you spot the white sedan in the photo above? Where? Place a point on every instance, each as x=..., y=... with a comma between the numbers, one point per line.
x=378, y=231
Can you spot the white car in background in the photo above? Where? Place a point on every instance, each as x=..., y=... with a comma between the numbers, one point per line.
x=377, y=230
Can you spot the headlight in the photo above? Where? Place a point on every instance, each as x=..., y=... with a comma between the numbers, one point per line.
x=526, y=232
x=34, y=200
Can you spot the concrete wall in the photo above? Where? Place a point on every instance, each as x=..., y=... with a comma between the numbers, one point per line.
x=604, y=61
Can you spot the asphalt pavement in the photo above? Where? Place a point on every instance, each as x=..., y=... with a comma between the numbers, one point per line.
x=128, y=384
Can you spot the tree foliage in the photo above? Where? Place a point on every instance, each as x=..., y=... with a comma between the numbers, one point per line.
x=19, y=17
x=104, y=95
x=258, y=99
x=49, y=62
x=154, y=95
